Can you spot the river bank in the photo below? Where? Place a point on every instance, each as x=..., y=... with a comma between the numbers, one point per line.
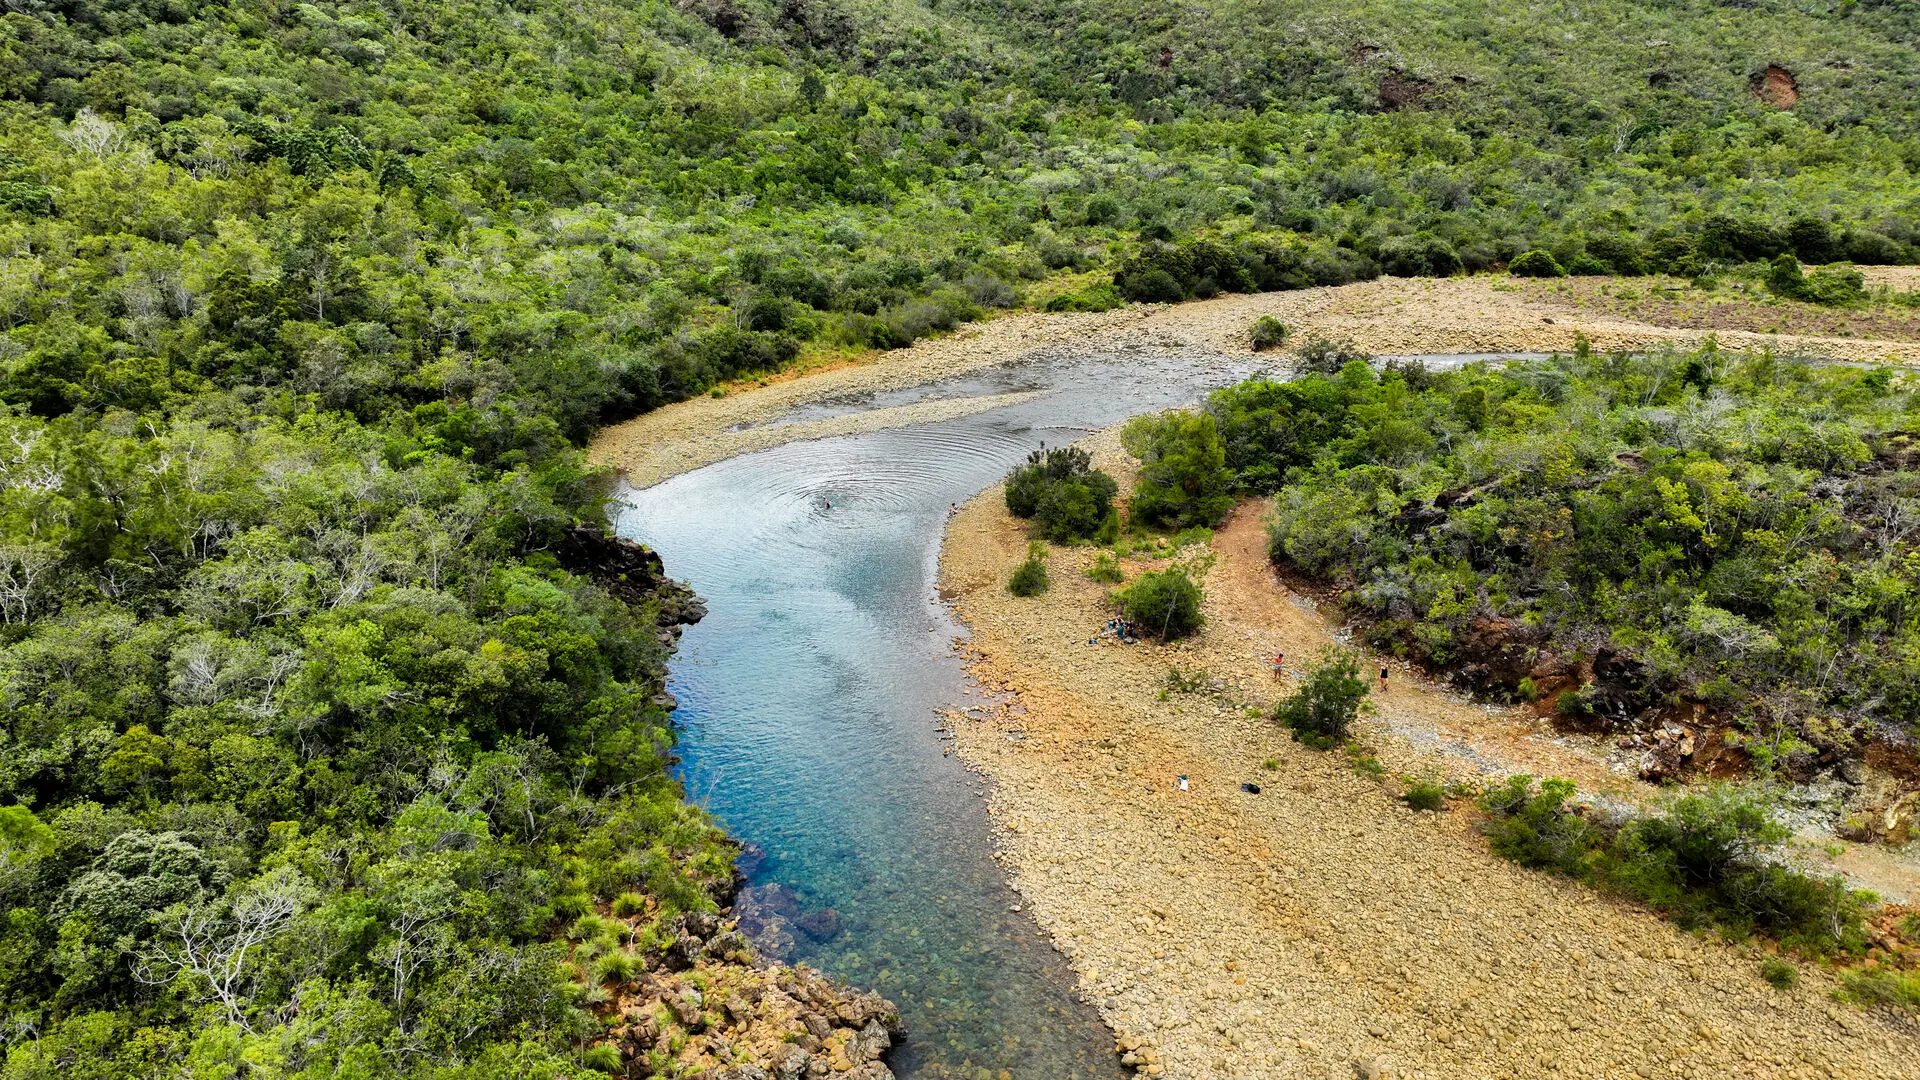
x=1382, y=941
x=1319, y=927
x=1484, y=314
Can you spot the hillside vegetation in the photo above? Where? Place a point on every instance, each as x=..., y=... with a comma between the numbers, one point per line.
x=314, y=745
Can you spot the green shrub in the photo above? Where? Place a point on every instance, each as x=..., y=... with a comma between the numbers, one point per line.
x=1784, y=278
x=1269, y=333
x=1585, y=265
x=1837, y=285
x=1106, y=569
x=629, y=903
x=1183, y=478
x=1535, y=264
x=1182, y=681
x=1030, y=579
x=1425, y=795
x=1882, y=987
x=1711, y=860
x=1151, y=285
x=1066, y=498
x=1539, y=829
x=1103, y=297
x=1165, y=603
x=1330, y=357
x=1329, y=699
x=1421, y=255
x=1778, y=973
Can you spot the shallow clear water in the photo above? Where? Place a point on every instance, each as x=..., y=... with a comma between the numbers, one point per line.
x=808, y=701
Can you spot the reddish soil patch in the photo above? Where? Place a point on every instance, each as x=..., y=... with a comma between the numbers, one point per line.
x=1398, y=90
x=1776, y=87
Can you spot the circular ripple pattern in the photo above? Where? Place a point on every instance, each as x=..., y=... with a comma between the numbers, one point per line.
x=808, y=702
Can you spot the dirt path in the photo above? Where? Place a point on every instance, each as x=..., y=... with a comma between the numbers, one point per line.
x=1390, y=315
x=1320, y=928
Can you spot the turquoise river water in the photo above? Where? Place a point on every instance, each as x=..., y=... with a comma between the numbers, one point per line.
x=809, y=697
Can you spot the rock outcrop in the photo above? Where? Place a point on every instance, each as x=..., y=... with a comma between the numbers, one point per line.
x=707, y=1009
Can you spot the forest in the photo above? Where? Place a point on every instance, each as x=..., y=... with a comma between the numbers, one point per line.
x=315, y=742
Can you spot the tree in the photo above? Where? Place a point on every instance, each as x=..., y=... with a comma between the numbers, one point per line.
x=1165, y=603
x=220, y=943
x=1330, y=698
x=1183, y=478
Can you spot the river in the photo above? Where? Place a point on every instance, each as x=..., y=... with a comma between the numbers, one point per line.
x=809, y=702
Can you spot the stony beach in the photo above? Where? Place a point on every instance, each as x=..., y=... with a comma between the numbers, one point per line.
x=1320, y=928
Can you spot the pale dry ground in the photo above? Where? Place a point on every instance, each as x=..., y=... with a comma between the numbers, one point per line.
x=1391, y=315
x=1319, y=928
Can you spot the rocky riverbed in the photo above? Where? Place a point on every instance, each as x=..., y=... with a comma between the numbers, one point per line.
x=1319, y=927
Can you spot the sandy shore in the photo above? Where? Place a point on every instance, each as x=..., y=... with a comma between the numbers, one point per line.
x=1320, y=928
x=1390, y=315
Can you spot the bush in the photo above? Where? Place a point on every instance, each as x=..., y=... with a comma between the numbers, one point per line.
x=1328, y=357
x=1062, y=493
x=1329, y=699
x=1425, y=795
x=1092, y=298
x=1838, y=285
x=1712, y=859
x=1620, y=253
x=1535, y=264
x=1151, y=285
x=1882, y=987
x=1106, y=569
x=1166, y=603
x=1778, y=973
x=1183, y=475
x=1031, y=577
x=1539, y=829
x=1269, y=333
x=1420, y=255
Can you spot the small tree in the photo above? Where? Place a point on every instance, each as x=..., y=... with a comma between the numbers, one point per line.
x=1031, y=578
x=1060, y=491
x=1183, y=469
x=1166, y=603
x=1324, y=708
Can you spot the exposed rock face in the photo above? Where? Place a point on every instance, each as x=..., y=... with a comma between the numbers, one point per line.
x=751, y=1023
x=706, y=1006
x=631, y=572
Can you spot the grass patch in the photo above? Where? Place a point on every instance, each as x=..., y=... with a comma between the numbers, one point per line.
x=1106, y=569
x=1778, y=973
x=1425, y=795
